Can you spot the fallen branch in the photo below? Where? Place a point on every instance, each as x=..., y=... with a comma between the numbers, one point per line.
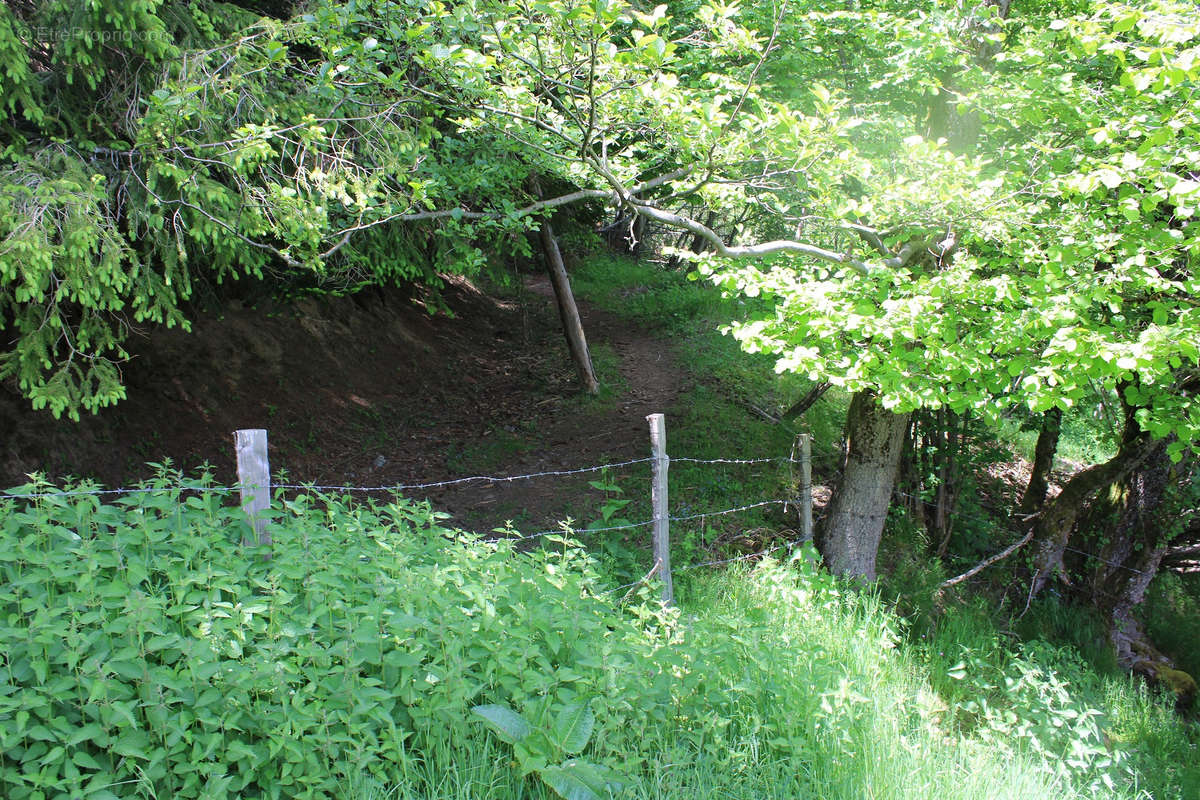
x=987, y=562
x=804, y=403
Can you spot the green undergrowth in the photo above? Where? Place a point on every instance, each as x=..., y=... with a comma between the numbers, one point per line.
x=147, y=653
x=723, y=411
x=1171, y=614
x=1048, y=678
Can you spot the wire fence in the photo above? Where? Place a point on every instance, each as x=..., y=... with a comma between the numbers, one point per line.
x=961, y=515
x=255, y=487
x=661, y=518
x=194, y=486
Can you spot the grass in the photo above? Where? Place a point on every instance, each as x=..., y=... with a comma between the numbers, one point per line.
x=1171, y=614
x=786, y=685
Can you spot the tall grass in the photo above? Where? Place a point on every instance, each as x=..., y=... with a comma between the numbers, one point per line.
x=786, y=685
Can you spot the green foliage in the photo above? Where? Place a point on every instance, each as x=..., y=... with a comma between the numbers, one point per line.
x=1052, y=619
x=1159, y=745
x=159, y=144
x=143, y=646
x=1030, y=697
x=834, y=660
x=1171, y=614
x=1038, y=710
x=617, y=551
x=1026, y=694
x=543, y=751
x=147, y=653
x=1081, y=274
x=912, y=577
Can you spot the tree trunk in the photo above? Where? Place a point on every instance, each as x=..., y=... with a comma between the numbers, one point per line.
x=567, y=310
x=1132, y=530
x=850, y=536
x=1043, y=461
x=951, y=437
x=1129, y=540
x=1057, y=518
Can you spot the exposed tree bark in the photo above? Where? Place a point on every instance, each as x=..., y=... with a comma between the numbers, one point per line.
x=567, y=310
x=849, y=539
x=1186, y=557
x=1131, y=529
x=1043, y=460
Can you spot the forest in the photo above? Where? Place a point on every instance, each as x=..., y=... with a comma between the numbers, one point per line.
x=433, y=244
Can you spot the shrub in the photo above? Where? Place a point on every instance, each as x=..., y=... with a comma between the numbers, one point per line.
x=144, y=651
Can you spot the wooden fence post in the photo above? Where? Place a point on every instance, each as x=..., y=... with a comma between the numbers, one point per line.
x=804, y=446
x=658, y=496
x=254, y=477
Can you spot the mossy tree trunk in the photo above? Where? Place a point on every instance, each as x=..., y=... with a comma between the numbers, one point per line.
x=1129, y=539
x=1059, y=516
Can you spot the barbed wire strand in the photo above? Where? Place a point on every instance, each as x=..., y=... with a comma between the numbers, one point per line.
x=747, y=507
x=744, y=557
x=562, y=531
x=509, y=479
x=978, y=518
x=388, y=488
x=642, y=524
x=714, y=563
x=777, y=460
x=1105, y=561
x=124, y=492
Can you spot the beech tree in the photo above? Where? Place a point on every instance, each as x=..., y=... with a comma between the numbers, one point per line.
x=1061, y=264
x=357, y=143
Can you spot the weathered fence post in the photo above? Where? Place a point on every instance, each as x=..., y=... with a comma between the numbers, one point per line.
x=254, y=476
x=805, y=502
x=658, y=496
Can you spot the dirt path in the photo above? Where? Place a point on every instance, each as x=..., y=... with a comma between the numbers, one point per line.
x=572, y=434
x=371, y=390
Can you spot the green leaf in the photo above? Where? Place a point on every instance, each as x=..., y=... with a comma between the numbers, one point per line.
x=504, y=722
x=573, y=727
x=567, y=783
x=581, y=780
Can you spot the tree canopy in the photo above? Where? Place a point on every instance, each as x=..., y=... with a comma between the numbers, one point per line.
x=950, y=204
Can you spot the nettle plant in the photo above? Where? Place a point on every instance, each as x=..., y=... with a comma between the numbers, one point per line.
x=1033, y=704
x=141, y=646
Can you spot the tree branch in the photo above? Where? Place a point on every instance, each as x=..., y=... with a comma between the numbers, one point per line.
x=747, y=251
x=987, y=562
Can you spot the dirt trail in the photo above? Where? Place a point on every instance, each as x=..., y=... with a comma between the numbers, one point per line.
x=568, y=438
x=368, y=391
